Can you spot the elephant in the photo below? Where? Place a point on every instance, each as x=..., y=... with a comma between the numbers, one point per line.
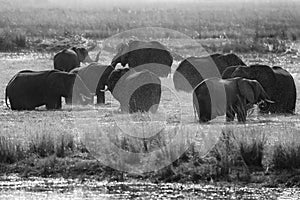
x=193, y=70
x=141, y=55
x=30, y=89
x=68, y=59
x=215, y=96
x=277, y=82
x=136, y=91
x=227, y=73
x=95, y=77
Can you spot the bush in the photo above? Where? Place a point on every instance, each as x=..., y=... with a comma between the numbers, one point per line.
x=286, y=156
x=9, y=151
x=12, y=40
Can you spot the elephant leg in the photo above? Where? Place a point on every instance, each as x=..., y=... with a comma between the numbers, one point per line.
x=68, y=100
x=58, y=103
x=101, y=98
x=241, y=112
x=124, y=108
x=230, y=114
x=241, y=115
x=53, y=103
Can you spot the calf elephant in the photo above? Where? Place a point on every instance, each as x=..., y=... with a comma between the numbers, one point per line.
x=30, y=89
x=193, y=70
x=214, y=97
x=277, y=82
x=135, y=91
x=141, y=55
x=95, y=77
x=68, y=59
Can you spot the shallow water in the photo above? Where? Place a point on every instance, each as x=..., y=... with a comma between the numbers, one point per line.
x=47, y=188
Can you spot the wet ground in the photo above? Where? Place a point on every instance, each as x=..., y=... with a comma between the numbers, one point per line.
x=40, y=188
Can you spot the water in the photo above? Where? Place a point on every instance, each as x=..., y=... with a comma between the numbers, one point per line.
x=14, y=187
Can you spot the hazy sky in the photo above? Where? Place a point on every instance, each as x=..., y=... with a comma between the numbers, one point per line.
x=131, y=3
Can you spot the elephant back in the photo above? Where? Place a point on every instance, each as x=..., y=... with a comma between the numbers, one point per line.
x=227, y=73
x=150, y=52
x=66, y=60
x=285, y=88
x=94, y=75
x=138, y=91
x=141, y=53
x=24, y=86
x=146, y=97
x=223, y=61
x=134, y=80
x=210, y=99
x=192, y=71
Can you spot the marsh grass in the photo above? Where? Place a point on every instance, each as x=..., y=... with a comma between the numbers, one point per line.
x=10, y=152
x=236, y=154
x=286, y=156
x=251, y=146
x=47, y=145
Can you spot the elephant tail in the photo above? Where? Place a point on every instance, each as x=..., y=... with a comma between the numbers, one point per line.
x=6, y=96
x=195, y=112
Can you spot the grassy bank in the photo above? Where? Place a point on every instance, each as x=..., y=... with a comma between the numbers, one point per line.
x=254, y=155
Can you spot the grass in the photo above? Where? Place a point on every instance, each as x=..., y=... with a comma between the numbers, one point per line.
x=245, y=27
x=238, y=153
x=12, y=40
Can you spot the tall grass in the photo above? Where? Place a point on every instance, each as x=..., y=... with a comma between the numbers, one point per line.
x=237, y=153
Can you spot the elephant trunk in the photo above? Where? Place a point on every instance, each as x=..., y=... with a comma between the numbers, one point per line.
x=82, y=89
x=265, y=97
x=115, y=61
x=88, y=59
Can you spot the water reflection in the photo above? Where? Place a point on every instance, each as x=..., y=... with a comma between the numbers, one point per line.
x=47, y=188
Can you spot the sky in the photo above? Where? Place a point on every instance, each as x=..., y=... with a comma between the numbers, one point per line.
x=128, y=3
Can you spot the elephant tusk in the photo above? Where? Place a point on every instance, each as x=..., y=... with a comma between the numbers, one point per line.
x=85, y=97
x=269, y=101
x=105, y=89
x=97, y=56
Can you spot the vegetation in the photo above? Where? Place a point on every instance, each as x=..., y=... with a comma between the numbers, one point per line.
x=262, y=27
x=49, y=143
x=239, y=155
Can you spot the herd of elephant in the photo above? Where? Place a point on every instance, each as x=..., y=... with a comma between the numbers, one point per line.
x=138, y=86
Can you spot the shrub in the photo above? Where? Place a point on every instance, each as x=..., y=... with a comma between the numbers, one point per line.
x=10, y=152
x=11, y=40
x=252, y=149
x=286, y=156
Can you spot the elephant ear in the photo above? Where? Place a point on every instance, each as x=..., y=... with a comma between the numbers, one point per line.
x=246, y=90
x=82, y=53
